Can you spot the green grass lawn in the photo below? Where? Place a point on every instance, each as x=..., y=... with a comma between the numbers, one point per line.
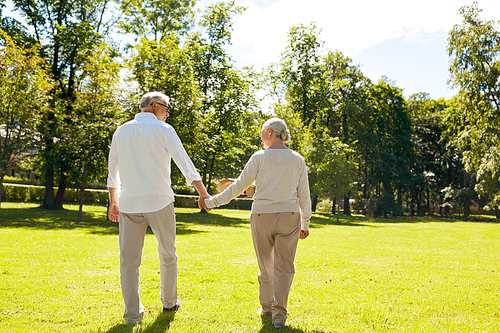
x=393, y=275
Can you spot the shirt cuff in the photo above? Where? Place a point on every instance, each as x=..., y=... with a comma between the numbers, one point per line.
x=304, y=225
x=191, y=178
x=209, y=203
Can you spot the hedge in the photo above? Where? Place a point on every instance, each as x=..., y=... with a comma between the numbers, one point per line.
x=14, y=192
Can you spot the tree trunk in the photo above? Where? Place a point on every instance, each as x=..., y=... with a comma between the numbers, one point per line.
x=347, y=206
x=314, y=203
x=48, y=200
x=333, y=205
x=1, y=188
x=60, y=194
x=82, y=191
x=497, y=214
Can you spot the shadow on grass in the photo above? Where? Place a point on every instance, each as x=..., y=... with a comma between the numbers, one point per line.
x=321, y=219
x=94, y=220
x=161, y=324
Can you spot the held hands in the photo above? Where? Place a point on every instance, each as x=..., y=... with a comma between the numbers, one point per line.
x=201, y=202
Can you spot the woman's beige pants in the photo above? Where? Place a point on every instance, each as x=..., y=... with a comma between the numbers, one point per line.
x=275, y=237
x=132, y=232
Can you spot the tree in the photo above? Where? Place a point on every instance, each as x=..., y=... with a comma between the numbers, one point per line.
x=346, y=114
x=155, y=20
x=299, y=77
x=96, y=118
x=67, y=32
x=474, y=48
x=392, y=147
x=24, y=88
x=429, y=151
x=226, y=93
x=330, y=171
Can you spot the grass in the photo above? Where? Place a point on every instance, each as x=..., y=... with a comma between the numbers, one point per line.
x=360, y=275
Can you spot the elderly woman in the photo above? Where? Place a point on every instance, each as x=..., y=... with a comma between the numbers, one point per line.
x=279, y=217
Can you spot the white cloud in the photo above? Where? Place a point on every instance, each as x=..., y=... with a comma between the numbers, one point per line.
x=260, y=34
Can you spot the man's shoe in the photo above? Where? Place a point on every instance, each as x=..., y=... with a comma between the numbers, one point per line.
x=172, y=309
x=278, y=325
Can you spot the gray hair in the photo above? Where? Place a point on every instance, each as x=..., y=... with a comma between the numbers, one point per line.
x=154, y=96
x=279, y=128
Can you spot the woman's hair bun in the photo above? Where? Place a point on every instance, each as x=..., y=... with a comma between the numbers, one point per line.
x=279, y=128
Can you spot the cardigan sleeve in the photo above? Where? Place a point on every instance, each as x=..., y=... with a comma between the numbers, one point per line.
x=304, y=199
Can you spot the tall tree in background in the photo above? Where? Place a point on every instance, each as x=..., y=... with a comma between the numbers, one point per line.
x=474, y=48
x=67, y=32
x=24, y=96
x=392, y=148
x=428, y=158
x=97, y=115
x=300, y=73
x=226, y=93
x=347, y=112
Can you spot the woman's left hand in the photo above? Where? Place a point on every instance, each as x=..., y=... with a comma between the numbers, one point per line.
x=303, y=234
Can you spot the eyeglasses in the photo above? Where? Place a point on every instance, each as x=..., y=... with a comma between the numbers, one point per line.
x=159, y=104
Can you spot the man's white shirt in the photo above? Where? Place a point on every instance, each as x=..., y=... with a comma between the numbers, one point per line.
x=139, y=164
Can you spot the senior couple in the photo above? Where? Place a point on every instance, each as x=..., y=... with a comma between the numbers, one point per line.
x=140, y=195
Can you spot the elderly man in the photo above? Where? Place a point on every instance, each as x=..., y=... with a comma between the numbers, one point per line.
x=140, y=195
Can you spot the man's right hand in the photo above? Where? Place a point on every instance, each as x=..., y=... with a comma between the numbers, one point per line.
x=114, y=213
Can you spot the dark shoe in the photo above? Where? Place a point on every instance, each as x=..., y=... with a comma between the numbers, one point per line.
x=172, y=309
x=278, y=325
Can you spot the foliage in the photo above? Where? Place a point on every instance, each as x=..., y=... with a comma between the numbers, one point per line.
x=97, y=115
x=474, y=46
x=430, y=152
x=156, y=20
x=330, y=170
x=24, y=87
x=226, y=95
x=391, y=148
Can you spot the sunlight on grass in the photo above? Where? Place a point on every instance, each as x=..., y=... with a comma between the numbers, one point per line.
x=402, y=275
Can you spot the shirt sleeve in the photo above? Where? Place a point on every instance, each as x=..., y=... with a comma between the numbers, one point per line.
x=246, y=178
x=179, y=155
x=304, y=199
x=113, y=171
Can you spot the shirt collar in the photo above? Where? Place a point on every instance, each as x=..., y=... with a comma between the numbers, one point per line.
x=145, y=115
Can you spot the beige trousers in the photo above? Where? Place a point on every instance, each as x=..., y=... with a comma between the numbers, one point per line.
x=275, y=237
x=132, y=232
